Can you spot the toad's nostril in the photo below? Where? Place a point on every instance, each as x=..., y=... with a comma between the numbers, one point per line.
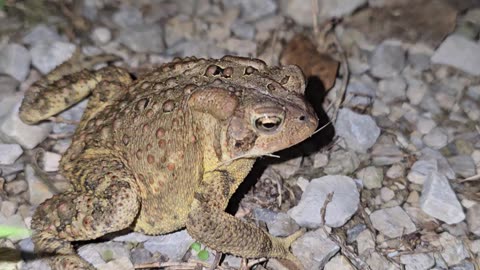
x=302, y=118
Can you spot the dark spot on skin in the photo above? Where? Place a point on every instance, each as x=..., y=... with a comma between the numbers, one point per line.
x=249, y=70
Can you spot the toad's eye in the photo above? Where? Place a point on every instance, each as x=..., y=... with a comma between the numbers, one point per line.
x=268, y=124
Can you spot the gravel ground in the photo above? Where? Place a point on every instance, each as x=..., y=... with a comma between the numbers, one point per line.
x=402, y=157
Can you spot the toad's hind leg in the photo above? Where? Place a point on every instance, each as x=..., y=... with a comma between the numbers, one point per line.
x=68, y=84
x=86, y=215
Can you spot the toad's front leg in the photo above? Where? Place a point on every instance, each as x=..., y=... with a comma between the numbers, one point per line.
x=208, y=223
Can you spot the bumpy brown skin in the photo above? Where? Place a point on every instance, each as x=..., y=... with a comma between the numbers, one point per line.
x=167, y=151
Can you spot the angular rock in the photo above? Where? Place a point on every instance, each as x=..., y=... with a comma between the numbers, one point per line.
x=453, y=251
x=396, y=171
x=314, y=249
x=141, y=256
x=359, y=131
x=38, y=190
x=463, y=165
x=419, y=261
x=128, y=16
x=48, y=55
x=178, y=28
x=365, y=242
x=8, y=208
x=392, y=222
x=443, y=165
x=439, y=200
x=378, y=261
x=243, y=30
x=17, y=222
x=51, y=161
x=342, y=162
x=13, y=130
x=459, y=52
x=252, y=10
x=16, y=187
x=360, y=92
x=134, y=237
x=173, y=245
x=339, y=262
x=371, y=176
x=15, y=61
x=388, y=59
x=278, y=224
x=420, y=170
x=343, y=205
x=473, y=219
x=393, y=89
x=9, y=153
x=436, y=138
x=386, y=194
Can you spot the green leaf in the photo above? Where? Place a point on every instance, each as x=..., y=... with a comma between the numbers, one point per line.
x=107, y=255
x=2, y=4
x=203, y=255
x=6, y=231
x=196, y=246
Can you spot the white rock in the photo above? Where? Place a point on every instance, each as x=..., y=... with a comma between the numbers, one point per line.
x=388, y=59
x=339, y=262
x=314, y=249
x=133, y=237
x=8, y=208
x=436, y=138
x=101, y=35
x=252, y=10
x=9, y=153
x=420, y=169
x=439, y=201
x=359, y=131
x=473, y=219
x=48, y=55
x=463, y=165
x=13, y=130
x=41, y=33
x=99, y=254
x=459, y=52
x=378, y=261
x=51, y=161
x=453, y=251
x=396, y=171
x=392, y=222
x=418, y=261
x=15, y=61
x=392, y=89
x=320, y=160
x=371, y=176
x=416, y=91
x=38, y=190
x=343, y=205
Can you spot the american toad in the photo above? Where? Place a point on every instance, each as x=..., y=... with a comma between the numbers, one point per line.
x=166, y=151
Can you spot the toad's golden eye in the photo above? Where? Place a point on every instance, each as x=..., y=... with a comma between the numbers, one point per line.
x=268, y=124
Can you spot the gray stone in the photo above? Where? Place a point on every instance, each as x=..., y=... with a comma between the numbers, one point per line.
x=252, y=10
x=16, y=187
x=473, y=220
x=360, y=92
x=13, y=130
x=463, y=165
x=372, y=177
x=9, y=153
x=396, y=171
x=108, y=255
x=471, y=109
x=37, y=264
x=41, y=33
x=388, y=59
x=278, y=224
x=343, y=205
x=453, y=249
x=420, y=170
x=240, y=47
x=436, y=138
x=439, y=200
x=128, y=16
x=134, y=237
x=342, y=162
x=143, y=39
x=172, y=245
x=177, y=29
x=339, y=262
x=314, y=249
x=474, y=92
x=38, y=190
x=386, y=194
x=352, y=233
x=443, y=165
x=197, y=47
x=141, y=256
x=459, y=52
x=365, y=242
x=425, y=125
x=419, y=56
x=378, y=261
x=287, y=168
x=243, y=30
x=359, y=131
x=48, y=55
x=386, y=154
x=419, y=261
x=416, y=91
x=392, y=89
x=392, y=222
x=8, y=208
x=320, y=160
x=15, y=61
